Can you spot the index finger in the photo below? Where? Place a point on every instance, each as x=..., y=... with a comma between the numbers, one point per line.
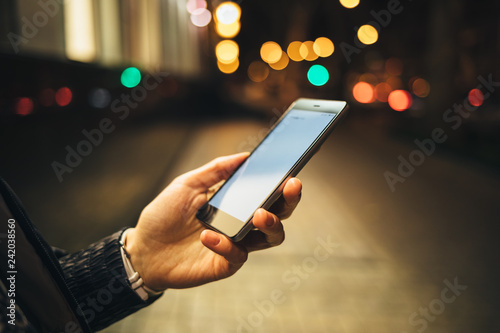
x=289, y=199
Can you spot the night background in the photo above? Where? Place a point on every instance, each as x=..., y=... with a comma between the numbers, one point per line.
x=103, y=103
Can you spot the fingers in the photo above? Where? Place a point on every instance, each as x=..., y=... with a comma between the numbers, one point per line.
x=270, y=232
x=285, y=205
x=213, y=172
x=234, y=254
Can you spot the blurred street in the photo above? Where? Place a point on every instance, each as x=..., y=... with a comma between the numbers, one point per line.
x=103, y=103
x=385, y=257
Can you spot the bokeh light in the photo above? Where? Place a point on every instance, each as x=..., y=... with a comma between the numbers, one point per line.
x=318, y=75
x=420, y=87
x=228, y=68
x=369, y=77
x=307, y=51
x=382, y=91
x=228, y=12
x=258, y=71
x=367, y=34
x=63, y=96
x=131, y=77
x=349, y=3
x=201, y=17
x=323, y=47
x=193, y=5
x=363, y=92
x=24, y=106
x=476, y=97
x=99, y=98
x=293, y=51
x=399, y=100
x=280, y=64
x=228, y=30
x=270, y=52
x=227, y=51
x=395, y=82
x=46, y=97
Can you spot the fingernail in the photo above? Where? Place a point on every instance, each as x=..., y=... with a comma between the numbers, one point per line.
x=270, y=222
x=212, y=238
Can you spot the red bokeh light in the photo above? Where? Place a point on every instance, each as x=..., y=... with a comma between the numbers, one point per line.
x=63, y=96
x=400, y=100
x=24, y=106
x=476, y=97
x=363, y=92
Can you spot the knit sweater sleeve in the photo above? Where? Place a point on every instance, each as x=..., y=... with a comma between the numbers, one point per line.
x=97, y=278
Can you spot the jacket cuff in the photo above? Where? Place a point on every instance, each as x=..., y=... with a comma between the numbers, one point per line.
x=97, y=278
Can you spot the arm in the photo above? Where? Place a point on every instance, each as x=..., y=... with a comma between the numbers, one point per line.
x=97, y=278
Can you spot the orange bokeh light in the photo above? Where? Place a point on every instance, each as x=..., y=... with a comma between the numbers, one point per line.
x=270, y=52
x=399, y=100
x=363, y=92
x=420, y=87
x=293, y=51
x=280, y=64
x=307, y=51
x=394, y=82
x=323, y=47
x=382, y=91
x=228, y=68
x=258, y=71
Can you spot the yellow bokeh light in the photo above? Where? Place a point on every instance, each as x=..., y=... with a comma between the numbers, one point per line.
x=270, y=52
x=280, y=64
x=323, y=47
x=367, y=34
x=349, y=3
x=228, y=68
x=258, y=71
x=293, y=51
x=227, y=51
x=228, y=12
x=228, y=30
x=307, y=51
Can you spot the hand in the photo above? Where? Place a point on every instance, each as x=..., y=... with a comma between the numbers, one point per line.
x=170, y=248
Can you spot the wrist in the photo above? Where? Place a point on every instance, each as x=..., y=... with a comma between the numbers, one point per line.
x=133, y=264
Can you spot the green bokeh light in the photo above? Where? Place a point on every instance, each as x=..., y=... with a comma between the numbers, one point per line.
x=131, y=77
x=318, y=75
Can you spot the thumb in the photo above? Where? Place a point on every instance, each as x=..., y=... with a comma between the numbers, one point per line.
x=214, y=171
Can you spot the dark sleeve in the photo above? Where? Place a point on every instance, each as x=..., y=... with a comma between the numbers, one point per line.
x=97, y=278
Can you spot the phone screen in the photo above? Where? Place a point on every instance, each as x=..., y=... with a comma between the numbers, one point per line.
x=270, y=163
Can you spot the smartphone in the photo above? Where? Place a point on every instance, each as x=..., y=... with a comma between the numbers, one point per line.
x=259, y=180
